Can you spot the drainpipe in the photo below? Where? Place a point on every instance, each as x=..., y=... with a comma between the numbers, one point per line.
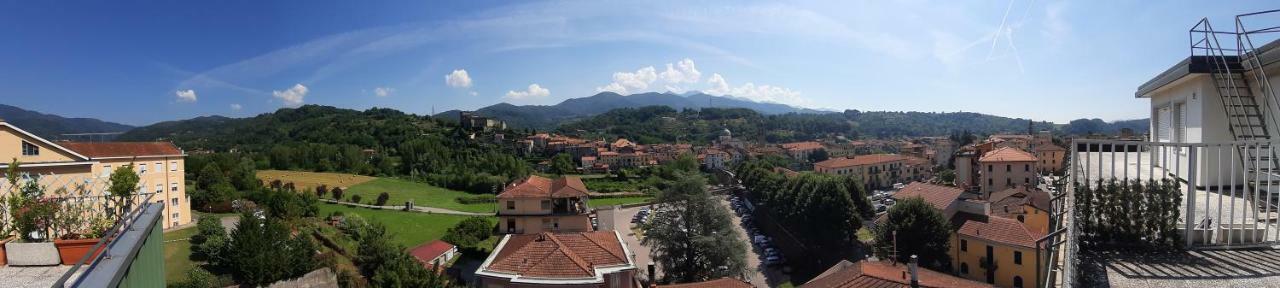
x=915, y=278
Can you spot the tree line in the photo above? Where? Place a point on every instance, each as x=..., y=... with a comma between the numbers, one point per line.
x=821, y=210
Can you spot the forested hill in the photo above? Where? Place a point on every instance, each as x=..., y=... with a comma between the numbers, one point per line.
x=52, y=127
x=664, y=124
x=549, y=116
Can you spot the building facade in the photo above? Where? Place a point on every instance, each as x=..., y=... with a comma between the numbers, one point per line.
x=1006, y=167
x=537, y=204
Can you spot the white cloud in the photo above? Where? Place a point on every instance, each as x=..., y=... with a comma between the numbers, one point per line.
x=473, y=93
x=534, y=91
x=235, y=107
x=186, y=95
x=458, y=79
x=682, y=72
x=383, y=91
x=762, y=93
x=293, y=96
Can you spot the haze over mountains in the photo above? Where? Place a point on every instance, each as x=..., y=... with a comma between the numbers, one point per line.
x=576, y=111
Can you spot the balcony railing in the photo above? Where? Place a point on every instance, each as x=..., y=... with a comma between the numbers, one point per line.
x=133, y=255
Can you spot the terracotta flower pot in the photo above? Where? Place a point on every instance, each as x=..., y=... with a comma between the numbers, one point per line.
x=72, y=250
x=3, y=256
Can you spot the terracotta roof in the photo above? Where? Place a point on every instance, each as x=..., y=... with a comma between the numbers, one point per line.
x=122, y=149
x=540, y=187
x=1017, y=196
x=558, y=255
x=807, y=145
x=717, y=283
x=1000, y=230
x=428, y=252
x=882, y=274
x=622, y=142
x=860, y=160
x=1049, y=147
x=1007, y=154
x=939, y=196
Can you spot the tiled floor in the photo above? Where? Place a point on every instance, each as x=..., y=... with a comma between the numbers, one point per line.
x=1209, y=268
x=44, y=276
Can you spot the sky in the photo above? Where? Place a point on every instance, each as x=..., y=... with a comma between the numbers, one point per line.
x=141, y=62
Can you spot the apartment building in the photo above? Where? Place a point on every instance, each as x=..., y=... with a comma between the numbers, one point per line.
x=875, y=170
x=159, y=166
x=1005, y=167
x=537, y=204
x=1050, y=158
x=801, y=150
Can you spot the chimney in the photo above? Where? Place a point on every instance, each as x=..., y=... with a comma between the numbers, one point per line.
x=915, y=276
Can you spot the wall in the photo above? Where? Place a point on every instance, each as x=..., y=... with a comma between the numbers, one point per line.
x=1001, y=173
x=1005, y=267
x=11, y=147
x=534, y=224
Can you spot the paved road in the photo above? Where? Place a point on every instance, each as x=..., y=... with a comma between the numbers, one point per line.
x=622, y=220
x=759, y=274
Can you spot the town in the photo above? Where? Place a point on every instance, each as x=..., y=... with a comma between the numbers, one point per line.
x=747, y=186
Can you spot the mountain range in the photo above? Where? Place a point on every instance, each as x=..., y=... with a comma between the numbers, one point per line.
x=550, y=116
x=53, y=127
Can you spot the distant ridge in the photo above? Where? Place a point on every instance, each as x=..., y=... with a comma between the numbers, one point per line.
x=53, y=127
x=547, y=116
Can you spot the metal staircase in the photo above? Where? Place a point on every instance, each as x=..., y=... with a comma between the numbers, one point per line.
x=1248, y=115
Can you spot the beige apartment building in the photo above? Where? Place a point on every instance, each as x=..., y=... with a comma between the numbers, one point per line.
x=537, y=204
x=875, y=170
x=1051, y=158
x=1004, y=168
x=159, y=166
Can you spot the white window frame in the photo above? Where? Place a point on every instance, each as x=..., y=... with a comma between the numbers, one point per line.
x=142, y=168
x=173, y=165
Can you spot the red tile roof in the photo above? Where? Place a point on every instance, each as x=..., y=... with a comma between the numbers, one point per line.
x=1000, y=230
x=558, y=255
x=122, y=149
x=882, y=274
x=428, y=252
x=939, y=196
x=717, y=283
x=1048, y=147
x=1016, y=197
x=540, y=187
x=1007, y=154
x=807, y=145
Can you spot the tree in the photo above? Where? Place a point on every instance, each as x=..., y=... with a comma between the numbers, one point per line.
x=124, y=182
x=210, y=241
x=355, y=198
x=386, y=264
x=337, y=193
x=320, y=190
x=947, y=177
x=818, y=156
x=858, y=193
x=917, y=229
x=562, y=164
x=692, y=239
x=262, y=251
x=469, y=232
x=382, y=199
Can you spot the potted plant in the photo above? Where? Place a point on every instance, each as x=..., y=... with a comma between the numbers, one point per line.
x=32, y=215
x=78, y=226
x=5, y=236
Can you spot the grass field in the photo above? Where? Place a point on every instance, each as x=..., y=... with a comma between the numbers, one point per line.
x=409, y=228
x=177, y=255
x=423, y=194
x=602, y=202
x=309, y=180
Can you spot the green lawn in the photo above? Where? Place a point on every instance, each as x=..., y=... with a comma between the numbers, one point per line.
x=409, y=228
x=602, y=202
x=423, y=195
x=177, y=255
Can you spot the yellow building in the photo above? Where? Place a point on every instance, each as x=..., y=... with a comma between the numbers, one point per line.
x=537, y=204
x=60, y=164
x=996, y=250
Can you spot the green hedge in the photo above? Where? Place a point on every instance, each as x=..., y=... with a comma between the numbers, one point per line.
x=1116, y=214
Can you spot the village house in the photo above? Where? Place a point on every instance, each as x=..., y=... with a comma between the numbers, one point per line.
x=578, y=259
x=875, y=170
x=1005, y=167
x=159, y=166
x=801, y=150
x=434, y=254
x=537, y=204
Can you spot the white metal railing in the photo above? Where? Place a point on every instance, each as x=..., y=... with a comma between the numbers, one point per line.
x=1229, y=198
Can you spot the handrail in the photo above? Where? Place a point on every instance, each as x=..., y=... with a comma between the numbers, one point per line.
x=1245, y=43
x=111, y=233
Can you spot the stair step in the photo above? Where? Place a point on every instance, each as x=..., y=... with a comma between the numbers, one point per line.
x=1243, y=105
x=1254, y=136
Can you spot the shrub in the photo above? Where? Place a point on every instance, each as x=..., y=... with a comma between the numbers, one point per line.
x=469, y=232
x=320, y=190
x=355, y=199
x=1135, y=213
x=337, y=193
x=382, y=199
x=198, y=278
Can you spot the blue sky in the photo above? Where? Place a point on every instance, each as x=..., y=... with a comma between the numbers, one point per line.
x=141, y=62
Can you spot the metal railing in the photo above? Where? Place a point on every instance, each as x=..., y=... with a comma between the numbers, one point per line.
x=1229, y=202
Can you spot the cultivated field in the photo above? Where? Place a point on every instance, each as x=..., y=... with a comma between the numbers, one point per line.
x=305, y=181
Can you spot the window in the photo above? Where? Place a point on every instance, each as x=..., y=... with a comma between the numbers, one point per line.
x=1026, y=167
x=1017, y=257
x=106, y=170
x=1008, y=181
x=173, y=186
x=1008, y=168
x=511, y=205
x=173, y=201
x=989, y=167
x=159, y=188
x=1022, y=218
x=990, y=182
x=1026, y=181
x=173, y=165
x=29, y=149
x=546, y=204
x=964, y=245
x=964, y=268
x=142, y=168
x=175, y=215
x=1017, y=281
